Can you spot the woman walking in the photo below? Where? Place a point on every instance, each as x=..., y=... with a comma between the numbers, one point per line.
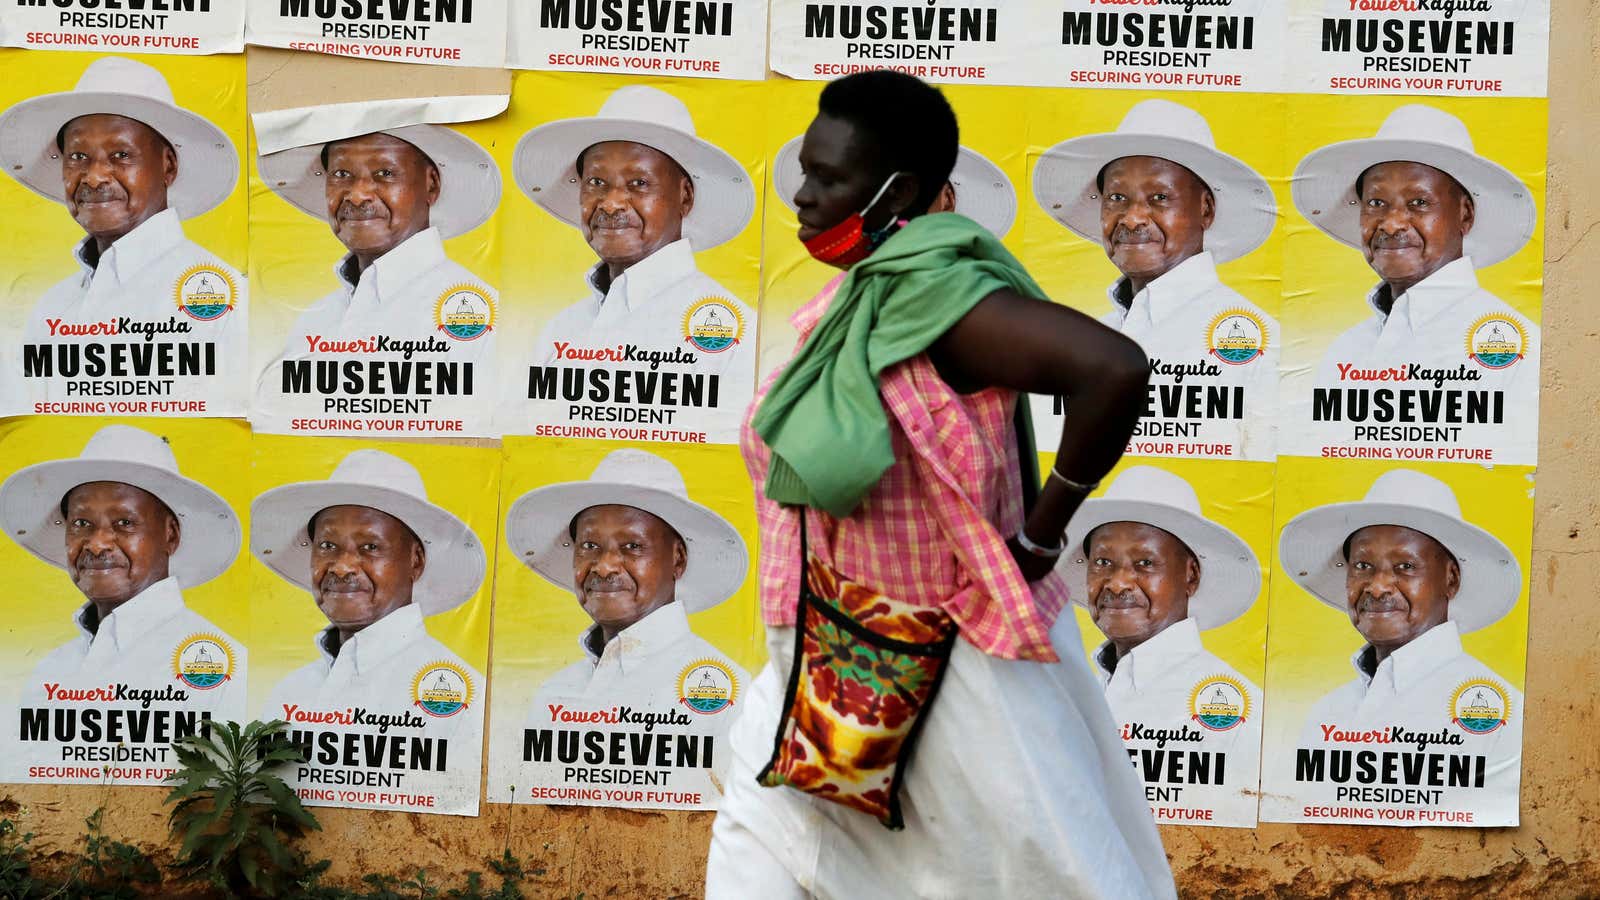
x=905, y=582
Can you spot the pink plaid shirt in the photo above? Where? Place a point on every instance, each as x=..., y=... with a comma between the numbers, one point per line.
x=933, y=531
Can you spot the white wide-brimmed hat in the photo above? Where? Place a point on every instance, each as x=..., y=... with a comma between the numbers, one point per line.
x=1311, y=547
x=983, y=193
x=537, y=527
x=1230, y=576
x=469, y=181
x=1325, y=181
x=1064, y=180
x=30, y=502
x=208, y=164
x=455, y=557
x=545, y=163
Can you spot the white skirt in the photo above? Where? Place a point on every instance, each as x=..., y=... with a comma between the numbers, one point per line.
x=1019, y=787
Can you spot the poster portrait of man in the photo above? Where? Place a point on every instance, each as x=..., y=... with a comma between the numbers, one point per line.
x=132, y=533
x=1168, y=206
x=647, y=193
x=130, y=166
x=640, y=556
x=377, y=559
x=1427, y=212
x=392, y=198
x=1412, y=576
x=1154, y=573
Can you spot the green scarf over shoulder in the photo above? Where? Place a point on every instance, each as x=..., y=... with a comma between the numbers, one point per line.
x=823, y=418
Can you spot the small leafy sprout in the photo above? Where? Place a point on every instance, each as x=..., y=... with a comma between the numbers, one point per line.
x=232, y=814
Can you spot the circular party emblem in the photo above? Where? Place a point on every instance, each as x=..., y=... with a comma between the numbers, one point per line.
x=1496, y=341
x=713, y=324
x=464, y=313
x=203, y=661
x=205, y=292
x=707, y=686
x=1480, y=706
x=441, y=689
x=1236, y=337
x=1219, y=703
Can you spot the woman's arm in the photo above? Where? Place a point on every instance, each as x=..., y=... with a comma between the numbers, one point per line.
x=1016, y=342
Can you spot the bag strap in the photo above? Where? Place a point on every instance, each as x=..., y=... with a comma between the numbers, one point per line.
x=804, y=554
x=1027, y=455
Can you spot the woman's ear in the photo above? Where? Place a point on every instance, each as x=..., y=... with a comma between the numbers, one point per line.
x=902, y=193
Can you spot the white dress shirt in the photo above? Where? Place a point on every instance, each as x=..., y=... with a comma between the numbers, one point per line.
x=1427, y=326
x=1150, y=689
x=138, y=279
x=397, y=297
x=1199, y=405
x=1413, y=688
x=133, y=647
x=644, y=308
x=640, y=665
x=374, y=669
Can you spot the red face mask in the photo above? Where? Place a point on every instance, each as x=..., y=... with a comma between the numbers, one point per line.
x=849, y=242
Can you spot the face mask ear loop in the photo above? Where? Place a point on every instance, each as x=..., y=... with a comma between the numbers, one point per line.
x=877, y=236
x=879, y=195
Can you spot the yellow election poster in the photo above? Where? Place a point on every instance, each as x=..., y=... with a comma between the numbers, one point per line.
x=125, y=249
x=1155, y=213
x=626, y=628
x=633, y=283
x=374, y=242
x=1399, y=631
x=984, y=187
x=1415, y=290
x=370, y=597
x=126, y=536
x=1167, y=564
x=1410, y=408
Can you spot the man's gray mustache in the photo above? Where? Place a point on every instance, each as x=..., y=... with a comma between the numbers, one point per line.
x=102, y=561
x=344, y=584
x=1124, y=600
x=1133, y=237
x=349, y=212
x=601, y=220
x=1385, y=603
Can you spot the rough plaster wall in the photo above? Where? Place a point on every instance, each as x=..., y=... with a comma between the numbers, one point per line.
x=1554, y=854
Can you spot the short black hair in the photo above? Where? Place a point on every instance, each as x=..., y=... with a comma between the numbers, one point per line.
x=1362, y=177
x=1188, y=550
x=572, y=525
x=425, y=157
x=61, y=133
x=163, y=503
x=1352, y=536
x=1100, y=176
x=910, y=122
x=311, y=525
x=684, y=173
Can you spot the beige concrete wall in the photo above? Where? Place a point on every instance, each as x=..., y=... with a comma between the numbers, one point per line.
x=1554, y=854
